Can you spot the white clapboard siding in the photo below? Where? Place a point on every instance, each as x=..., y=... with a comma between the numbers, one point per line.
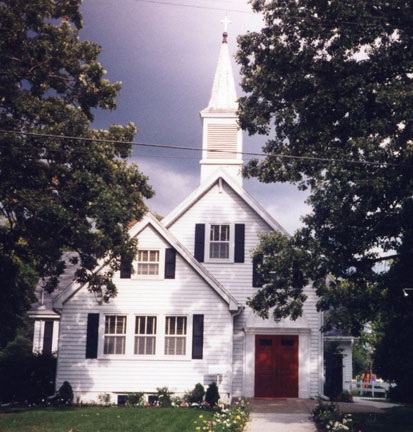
x=187, y=294
x=223, y=205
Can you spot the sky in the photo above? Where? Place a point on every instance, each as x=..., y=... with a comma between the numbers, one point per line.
x=165, y=54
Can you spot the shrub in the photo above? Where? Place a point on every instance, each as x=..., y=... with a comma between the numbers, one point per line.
x=164, y=397
x=25, y=377
x=212, y=394
x=104, y=399
x=64, y=395
x=345, y=396
x=135, y=399
x=196, y=395
x=330, y=418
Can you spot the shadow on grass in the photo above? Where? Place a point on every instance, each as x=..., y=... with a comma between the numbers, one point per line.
x=397, y=419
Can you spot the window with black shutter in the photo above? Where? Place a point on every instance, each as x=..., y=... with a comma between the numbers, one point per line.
x=199, y=242
x=92, y=334
x=125, y=267
x=239, y=243
x=170, y=262
x=197, y=336
x=48, y=336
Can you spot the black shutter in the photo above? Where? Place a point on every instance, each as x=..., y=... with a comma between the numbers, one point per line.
x=125, y=268
x=48, y=336
x=92, y=335
x=170, y=260
x=239, y=243
x=199, y=242
x=197, y=336
x=256, y=277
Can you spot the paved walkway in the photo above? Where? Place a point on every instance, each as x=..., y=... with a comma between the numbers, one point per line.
x=294, y=415
x=284, y=415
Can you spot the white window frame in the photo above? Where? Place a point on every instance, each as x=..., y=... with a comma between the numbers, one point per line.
x=124, y=335
x=161, y=264
x=230, y=258
x=185, y=337
x=154, y=335
x=159, y=341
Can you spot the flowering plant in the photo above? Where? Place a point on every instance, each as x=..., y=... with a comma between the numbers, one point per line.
x=330, y=418
x=232, y=419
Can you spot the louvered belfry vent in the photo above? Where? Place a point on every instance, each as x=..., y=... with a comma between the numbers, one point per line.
x=222, y=137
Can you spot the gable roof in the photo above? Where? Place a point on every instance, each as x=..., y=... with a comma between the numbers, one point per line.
x=220, y=173
x=44, y=306
x=149, y=219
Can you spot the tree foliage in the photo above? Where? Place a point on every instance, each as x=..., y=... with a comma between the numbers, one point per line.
x=330, y=83
x=58, y=194
x=333, y=80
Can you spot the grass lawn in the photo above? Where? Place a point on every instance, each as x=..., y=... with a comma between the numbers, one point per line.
x=101, y=419
x=397, y=419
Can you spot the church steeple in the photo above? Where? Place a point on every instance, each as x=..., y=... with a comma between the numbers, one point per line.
x=222, y=138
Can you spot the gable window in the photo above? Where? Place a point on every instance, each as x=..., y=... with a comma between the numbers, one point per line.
x=148, y=262
x=145, y=335
x=115, y=334
x=219, y=241
x=175, y=335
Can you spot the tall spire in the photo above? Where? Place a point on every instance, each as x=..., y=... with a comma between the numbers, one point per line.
x=223, y=95
x=222, y=138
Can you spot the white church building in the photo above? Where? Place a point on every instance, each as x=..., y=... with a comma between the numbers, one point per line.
x=180, y=316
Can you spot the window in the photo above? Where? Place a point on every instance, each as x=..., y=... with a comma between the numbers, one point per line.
x=148, y=262
x=219, y=241
x=145, y=335
x=175, y=335
x=115, y=334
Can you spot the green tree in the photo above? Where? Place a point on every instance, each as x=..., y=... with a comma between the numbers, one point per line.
x=330, y=83
x=58, y=194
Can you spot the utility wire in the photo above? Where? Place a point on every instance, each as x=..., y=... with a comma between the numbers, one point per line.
x=161, y=2
x=175, y=147
x=316, y=19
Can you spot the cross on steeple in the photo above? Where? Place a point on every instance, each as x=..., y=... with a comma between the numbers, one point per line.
x=226, y=21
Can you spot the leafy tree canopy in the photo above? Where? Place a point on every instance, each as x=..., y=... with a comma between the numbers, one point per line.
x=58, y=194
x=333, y=79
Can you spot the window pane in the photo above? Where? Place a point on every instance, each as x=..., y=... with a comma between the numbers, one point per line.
x=180, y=346
x=181, y=326
x=150, y=345
x=150, y=327
x=112, y=323
x=224, y=233
x=139, y=345
x=120, y=345
x=170, y=325
x=120, y=325
x=224, y=250
x=153, y=269
x=169, y=345
x=154, y=256
x=109, y=345
x=142, y=325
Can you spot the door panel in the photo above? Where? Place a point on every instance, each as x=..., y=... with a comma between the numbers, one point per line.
x=276, y=366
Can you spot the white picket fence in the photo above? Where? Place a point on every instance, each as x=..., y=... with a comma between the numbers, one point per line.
x=372, y=387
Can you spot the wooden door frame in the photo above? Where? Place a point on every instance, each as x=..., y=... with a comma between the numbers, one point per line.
x=304, y=378
x=290, y=386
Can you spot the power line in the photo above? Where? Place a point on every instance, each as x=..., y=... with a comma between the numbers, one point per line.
x=175, y=147
x=316, y=19
x=162, y=2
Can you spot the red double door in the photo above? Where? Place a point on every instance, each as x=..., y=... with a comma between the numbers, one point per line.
x=276, y=366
